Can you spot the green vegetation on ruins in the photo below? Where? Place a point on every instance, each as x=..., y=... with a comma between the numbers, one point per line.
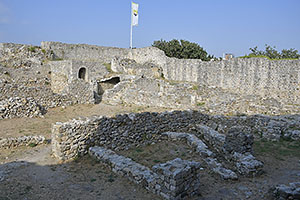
x=279, y=149
x=272, y=54
x=182, y=49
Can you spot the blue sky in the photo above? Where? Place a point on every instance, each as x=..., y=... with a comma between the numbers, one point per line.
x=220, y=26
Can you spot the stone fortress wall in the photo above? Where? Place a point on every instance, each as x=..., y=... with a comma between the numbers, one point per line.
x=279, y=79
x=145, y=77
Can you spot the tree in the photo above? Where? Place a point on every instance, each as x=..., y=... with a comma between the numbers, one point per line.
x=272, y=53
x=182, y=49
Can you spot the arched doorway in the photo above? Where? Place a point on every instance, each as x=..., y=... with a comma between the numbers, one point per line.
x=82, y=73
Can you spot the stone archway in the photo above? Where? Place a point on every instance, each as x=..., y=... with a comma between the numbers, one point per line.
x=82, y=73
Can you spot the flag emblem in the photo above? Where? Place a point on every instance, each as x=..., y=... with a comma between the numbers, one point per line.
x=134, y=15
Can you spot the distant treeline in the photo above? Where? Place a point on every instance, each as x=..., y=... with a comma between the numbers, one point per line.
x=183, y=49
x=272, y=53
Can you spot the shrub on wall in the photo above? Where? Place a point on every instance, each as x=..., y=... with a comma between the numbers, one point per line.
x=182, y=49
x=272, y=53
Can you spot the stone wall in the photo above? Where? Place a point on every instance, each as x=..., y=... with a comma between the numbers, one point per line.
x=102, y=54
x=20, y=107
x=278, y=79
x=65, y=79
x=31, y=140
x=149, y=92
x=176, y=179
x=83, y=52
x=124, y=131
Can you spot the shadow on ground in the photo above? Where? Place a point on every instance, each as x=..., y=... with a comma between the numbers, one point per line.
x=31, y=173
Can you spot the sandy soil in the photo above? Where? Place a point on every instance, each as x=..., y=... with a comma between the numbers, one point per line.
x=42, y=126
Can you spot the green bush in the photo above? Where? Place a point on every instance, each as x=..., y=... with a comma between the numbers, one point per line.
x=182, y=49
x=272, y=53
x=32, y=49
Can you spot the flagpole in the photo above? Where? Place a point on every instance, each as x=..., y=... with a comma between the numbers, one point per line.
x=131, y=27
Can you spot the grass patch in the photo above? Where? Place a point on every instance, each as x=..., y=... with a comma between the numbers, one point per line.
x=161, y=152
x=32, y=144
x=108, y=67
x=195, y=87
x=200, y=104
x=139, y=150
x=32, y=49
x=281, y=149
x=111, y=178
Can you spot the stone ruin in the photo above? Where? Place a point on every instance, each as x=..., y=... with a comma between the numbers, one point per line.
x=79, y=74
x=69, y=74
x=218, y=151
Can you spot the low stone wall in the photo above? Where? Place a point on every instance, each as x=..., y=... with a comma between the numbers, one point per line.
x=209, y=157
x=21, y=141
x=20, y=107
x=290, y=191
x=120, y=132
x=176, y=179
x=73, y=138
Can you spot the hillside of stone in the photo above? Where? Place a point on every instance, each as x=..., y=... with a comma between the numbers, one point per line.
x=25, y=82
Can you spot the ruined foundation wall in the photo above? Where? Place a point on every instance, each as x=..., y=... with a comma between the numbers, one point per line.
x=149, y=92
x=73, y=138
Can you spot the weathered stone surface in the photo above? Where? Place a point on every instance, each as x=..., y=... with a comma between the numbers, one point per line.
x=21, y=141
x=219, y=169
x=20, y=107
x=21, y=55
x=73, y=138
x=199, y=146
x=176, y=179
x=238, y=141
x=213, y=137
x=290, y=191
x=246, y=164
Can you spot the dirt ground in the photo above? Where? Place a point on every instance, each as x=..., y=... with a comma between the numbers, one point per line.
x=32, y=173
x=42, y=126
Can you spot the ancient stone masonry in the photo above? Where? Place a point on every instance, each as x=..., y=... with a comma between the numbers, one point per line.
x=146, y=92
x=25, y=89
x=146, y=77
x=20, y=55
x=79, y=79
x=73, y=138
x=22, y=141
x=277, y=80
x=290, y=191
x=20, y=107
x=201, y=148
x=233, y=135
x=176, y=179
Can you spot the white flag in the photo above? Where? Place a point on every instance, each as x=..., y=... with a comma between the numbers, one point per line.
x=134, y=14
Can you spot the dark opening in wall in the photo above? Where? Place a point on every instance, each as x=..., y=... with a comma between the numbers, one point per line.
x=82, y=73
x=107, y=84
